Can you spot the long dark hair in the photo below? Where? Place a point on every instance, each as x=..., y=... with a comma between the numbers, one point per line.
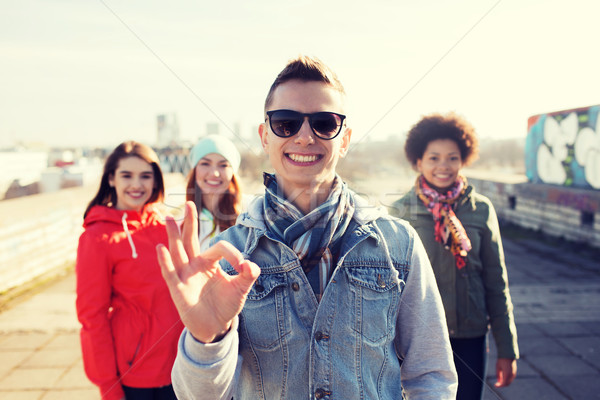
x=107, y=195
x=230, y=204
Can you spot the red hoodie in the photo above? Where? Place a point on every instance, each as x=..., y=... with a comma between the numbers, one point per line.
x=130, y=325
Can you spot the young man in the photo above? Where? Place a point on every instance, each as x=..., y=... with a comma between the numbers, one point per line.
x=317, y=296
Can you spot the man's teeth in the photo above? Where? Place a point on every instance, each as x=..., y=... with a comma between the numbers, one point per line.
x=303, y=159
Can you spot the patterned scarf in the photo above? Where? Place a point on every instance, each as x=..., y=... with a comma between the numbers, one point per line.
x=448, y=229
x=315, y=237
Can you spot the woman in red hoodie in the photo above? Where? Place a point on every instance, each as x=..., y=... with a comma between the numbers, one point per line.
x=130, y=326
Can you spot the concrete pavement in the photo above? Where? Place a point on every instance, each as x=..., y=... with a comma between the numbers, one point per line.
x=39, y=346
x=555, y=289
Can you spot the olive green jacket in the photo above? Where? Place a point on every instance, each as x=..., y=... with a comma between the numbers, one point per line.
x=477, y=296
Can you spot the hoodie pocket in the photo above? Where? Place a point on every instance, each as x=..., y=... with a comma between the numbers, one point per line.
x=136, y=352
x=128, y=336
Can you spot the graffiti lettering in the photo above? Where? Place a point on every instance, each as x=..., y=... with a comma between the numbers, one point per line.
x=563, y=148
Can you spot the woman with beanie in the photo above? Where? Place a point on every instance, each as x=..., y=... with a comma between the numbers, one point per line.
x=460, y=231
x=213, y=186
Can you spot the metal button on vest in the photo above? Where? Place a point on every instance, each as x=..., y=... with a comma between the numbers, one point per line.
x=259, y=288
x=318, y=336
x=380, y=281
x=295, y=286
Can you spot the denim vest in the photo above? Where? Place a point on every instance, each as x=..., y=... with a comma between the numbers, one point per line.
x=347, y=346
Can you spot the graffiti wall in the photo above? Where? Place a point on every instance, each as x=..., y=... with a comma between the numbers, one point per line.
x=563, y=148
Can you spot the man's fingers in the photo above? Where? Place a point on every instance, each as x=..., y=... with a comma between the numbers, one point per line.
x=247, y=270
x=176, y=248
x=190, y=230
x=223, y=249
x=172, y=228
x=167, y=268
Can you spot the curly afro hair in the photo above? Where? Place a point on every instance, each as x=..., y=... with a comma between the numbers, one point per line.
x=442, y=126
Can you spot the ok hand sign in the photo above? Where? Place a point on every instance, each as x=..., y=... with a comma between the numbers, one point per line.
x=206, y=297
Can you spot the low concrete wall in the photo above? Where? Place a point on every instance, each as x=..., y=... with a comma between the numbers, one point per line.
x=573, y=214
x=39, y=233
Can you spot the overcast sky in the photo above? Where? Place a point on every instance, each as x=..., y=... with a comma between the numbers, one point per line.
x=97, y=72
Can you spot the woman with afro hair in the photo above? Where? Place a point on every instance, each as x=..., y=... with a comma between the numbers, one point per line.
x=460, y=231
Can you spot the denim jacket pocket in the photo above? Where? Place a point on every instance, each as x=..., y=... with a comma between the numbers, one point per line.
x=375, y=292
x=264, y=317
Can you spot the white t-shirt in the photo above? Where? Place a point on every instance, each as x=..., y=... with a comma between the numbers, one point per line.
x=206, y=223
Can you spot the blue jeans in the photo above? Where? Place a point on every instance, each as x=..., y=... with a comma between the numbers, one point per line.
x=159, y=393
x=470, y=359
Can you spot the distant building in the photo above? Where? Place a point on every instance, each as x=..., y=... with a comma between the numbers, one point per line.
x=167, y=130
x=212, y=128
x=21, y=168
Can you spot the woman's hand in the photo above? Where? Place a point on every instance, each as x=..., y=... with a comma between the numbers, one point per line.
x=506, y=371
x=206, y=297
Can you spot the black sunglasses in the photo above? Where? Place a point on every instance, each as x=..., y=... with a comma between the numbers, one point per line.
x=325, y=125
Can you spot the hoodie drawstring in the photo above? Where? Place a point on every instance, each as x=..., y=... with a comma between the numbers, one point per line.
x=129, y=238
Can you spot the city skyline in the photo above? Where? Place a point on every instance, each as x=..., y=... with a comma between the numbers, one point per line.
x=98, y=73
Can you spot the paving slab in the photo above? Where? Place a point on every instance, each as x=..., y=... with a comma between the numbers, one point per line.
x=588, y=348
x=528, y=389
x=541, y=346
x=527, y=330
x=51, y=358
x=74, y=378
x=23, y=340
x=581, y=387
x=564, y=329
x=13, y=358
x=63, y=340
x=559, y=366
x=31, y=378
x=22, y=395
x=77, y=394
x=592, y=326
x=48, y=317
x=556, y=302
